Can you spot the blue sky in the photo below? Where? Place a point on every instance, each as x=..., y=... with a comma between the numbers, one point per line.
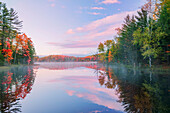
x=71, y=27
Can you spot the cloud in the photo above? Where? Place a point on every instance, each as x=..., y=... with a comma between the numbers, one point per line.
x=108, y=20
x=110, y=1
x=94, y=13
x=75, y=44
x=94, y=93
x=52, y=5
x=98, y=8
x=88, y=36
x=80, y=44
x=51, y=0
x=79, y=95
x=70, y=92
x=79, y=28
x=63, y=6
x=70, y=31
x=87, y=87
x=109, y=31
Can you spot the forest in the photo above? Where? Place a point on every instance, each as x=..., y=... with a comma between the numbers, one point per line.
x=15, y=47
x=64, y=58
x=143, y=39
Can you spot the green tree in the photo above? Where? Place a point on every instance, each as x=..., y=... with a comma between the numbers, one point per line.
x=108, y=43
x=164, y=22
x=101, y=47
x=4, y=25
x=14, y=23
x=149, y=42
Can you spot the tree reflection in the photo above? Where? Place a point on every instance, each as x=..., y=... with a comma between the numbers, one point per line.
x=14, y=86
x=137, y=91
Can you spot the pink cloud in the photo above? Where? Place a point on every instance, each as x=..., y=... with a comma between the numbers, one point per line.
x=52, y=5
x=110, y=1
x=94, y=92
x=98, y=8
x=102, y=28
x=80, y=44
x=79, y=28
x=70, y=92
x=90, y=89
x=70, y=31
x=94, y=13
x=96, y=111
x=108, y=20
x=63, y=6
x=108, y=31
x=93, y=33
x=51, y=0
x=79, y=95
x=51, y=43
x=75, y=44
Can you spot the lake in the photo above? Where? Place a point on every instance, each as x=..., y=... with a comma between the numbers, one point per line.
x=83, y=87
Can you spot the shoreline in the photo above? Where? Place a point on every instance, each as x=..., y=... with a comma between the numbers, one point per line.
x=6, y=68
x=155, y=68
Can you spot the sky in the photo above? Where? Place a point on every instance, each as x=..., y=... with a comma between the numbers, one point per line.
x=71, y=27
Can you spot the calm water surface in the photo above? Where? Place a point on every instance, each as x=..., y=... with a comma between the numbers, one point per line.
x=83, y=88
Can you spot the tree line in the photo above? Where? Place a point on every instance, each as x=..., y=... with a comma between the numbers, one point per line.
x=15, y=46
x=64, y=58
x=143, y=39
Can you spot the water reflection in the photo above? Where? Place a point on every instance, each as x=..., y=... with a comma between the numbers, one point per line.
x=139, y=90
x=15, y=84
x=83, y=88
x=122, y=89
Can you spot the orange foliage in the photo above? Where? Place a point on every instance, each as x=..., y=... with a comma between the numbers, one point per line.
x=149, y=7
x=22, y=42
x=8, y=52
x=8, y=81
x=110, y=57
x=118, y=30
x=64, y=58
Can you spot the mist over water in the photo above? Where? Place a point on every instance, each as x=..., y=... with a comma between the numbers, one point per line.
x=83, y=87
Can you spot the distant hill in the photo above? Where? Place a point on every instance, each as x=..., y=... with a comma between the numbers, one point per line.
x=65, y=58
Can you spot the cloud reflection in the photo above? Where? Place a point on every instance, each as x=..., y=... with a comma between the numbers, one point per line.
x=70, y=92
x=94, y=93
x=88, y=87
